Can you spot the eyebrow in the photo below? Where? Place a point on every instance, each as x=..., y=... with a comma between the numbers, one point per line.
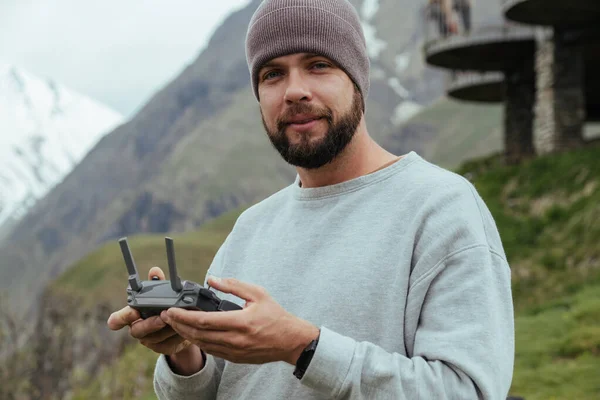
x=305, y=57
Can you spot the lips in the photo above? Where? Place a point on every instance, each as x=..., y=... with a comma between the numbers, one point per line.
x=302, y=119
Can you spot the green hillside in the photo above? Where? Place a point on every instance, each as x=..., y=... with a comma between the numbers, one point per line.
x=548, y=213
x=465, y=130
x=102, y=277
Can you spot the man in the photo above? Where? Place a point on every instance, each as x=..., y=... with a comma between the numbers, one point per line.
x=442, y=12
x=372, y=276
x=463, y=7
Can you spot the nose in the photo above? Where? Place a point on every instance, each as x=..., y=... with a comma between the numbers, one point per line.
x=297, y=88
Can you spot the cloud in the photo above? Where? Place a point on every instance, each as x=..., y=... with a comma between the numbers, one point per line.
x=118, y=52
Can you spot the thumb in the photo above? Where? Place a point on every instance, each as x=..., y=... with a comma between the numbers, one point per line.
x=246, y=291
x=156, y=272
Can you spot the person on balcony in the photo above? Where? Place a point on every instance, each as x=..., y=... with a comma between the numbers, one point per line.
x=442, y=12
x=463, y=8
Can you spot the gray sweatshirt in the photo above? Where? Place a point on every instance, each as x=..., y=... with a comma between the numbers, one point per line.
x=402, y=269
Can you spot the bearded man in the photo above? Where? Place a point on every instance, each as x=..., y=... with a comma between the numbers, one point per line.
x=371, y=276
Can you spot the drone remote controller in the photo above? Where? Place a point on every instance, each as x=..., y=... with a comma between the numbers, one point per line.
x=152, y=297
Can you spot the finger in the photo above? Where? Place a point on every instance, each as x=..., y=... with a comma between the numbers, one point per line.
x=160, y=336
x=217, y=321
x=123, y=317
x=171, y=345
x=147, y=326
x=246, y=291
x=226, y=339
x=156, y=272
x=195, y=335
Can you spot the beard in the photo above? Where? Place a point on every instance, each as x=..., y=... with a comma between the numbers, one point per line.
x=318, y=153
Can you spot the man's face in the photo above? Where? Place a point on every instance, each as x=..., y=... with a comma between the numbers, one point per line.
x=310, y=108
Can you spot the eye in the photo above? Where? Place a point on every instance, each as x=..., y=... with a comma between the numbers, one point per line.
x=320, y=65
x=270, y=75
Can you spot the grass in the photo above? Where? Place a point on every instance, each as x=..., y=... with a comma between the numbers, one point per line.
x=128, y=378
x=547, y=211
x=558, y=349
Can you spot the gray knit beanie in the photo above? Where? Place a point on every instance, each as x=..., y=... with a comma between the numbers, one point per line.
x=330, y=28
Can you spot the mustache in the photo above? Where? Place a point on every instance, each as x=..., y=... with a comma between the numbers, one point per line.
x=303, y=108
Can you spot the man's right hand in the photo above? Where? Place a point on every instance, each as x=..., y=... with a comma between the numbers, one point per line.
x=156, y=335
x=152, y=332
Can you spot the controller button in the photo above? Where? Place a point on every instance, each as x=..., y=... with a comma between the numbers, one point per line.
x=188, y=285
x=129, y=299
x=188, y=299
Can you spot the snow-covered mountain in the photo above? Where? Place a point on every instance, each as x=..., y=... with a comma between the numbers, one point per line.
x=45, y=130
x=406, y=107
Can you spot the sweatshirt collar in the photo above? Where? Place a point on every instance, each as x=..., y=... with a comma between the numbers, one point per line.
x=352, y=184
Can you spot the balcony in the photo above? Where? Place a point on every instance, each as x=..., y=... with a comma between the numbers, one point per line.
x=553, y=12
x=488, y=87
x=545, y=75
x=452, y=42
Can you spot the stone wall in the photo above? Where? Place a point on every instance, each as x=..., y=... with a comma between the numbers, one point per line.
x=560, y=101
x=518, y=112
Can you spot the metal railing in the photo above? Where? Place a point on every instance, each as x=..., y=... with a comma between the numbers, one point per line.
x=445, y=20
x=459, y=79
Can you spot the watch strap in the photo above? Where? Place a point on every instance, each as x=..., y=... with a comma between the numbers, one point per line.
x=305, y=358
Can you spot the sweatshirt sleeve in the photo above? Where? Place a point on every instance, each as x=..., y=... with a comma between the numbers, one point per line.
x=463, y=345
x=204, y=384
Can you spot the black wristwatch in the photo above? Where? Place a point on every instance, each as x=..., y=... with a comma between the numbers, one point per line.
x=305, y=358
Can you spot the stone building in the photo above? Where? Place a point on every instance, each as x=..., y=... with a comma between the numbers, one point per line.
x=567, y=63
x=527, y=58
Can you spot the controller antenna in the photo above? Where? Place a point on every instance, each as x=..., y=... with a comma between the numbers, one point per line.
x=134, y=279
x=175, y=281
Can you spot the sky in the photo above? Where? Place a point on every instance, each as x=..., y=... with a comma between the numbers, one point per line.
x=118, y=52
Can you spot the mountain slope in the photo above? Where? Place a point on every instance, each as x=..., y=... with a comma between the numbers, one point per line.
x=45, y=130
x=197, y=149
x=545, y=210
x=120, y=163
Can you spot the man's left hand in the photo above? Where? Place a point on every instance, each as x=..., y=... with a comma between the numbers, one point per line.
x=262, y=332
